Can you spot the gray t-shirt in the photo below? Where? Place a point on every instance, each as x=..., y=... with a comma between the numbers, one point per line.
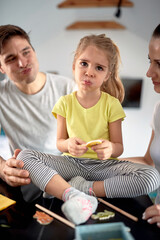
x=27, y=120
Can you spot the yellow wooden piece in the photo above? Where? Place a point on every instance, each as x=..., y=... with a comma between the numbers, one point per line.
x=5, y=202
x=93, y=143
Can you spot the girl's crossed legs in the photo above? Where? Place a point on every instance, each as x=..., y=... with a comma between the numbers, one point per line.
x=110, y=178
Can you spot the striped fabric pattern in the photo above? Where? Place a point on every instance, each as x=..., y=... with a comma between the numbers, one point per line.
x=121, y=178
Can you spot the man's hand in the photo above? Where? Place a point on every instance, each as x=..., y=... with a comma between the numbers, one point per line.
x=12, y=172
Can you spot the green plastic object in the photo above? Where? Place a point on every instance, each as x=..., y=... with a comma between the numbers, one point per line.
x=103, y=215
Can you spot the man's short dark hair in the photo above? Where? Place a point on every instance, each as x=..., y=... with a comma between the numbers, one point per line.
x=9, y=31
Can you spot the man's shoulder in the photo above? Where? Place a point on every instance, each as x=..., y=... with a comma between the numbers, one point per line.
x=64, y=85
x=58, y=78
x=4, y=81
x=4, y=84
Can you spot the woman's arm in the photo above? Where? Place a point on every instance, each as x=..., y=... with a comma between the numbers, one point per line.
x=147, y=157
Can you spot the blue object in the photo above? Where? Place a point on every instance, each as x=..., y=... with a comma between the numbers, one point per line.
x=152, y=196
x=103, y=231
x=2, y=132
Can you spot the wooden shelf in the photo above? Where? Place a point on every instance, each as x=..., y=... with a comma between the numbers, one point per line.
x=94, y=3
x=95, y=25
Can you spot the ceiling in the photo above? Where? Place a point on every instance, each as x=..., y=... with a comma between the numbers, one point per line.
x=141, y=18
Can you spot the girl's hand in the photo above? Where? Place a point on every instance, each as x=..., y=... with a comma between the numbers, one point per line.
x=152, y=214
x=76, y=147
x=103, y=150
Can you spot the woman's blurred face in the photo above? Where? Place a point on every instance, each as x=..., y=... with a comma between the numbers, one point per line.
x=154, y=68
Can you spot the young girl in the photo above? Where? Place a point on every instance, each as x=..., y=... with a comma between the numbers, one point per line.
x=92, y=112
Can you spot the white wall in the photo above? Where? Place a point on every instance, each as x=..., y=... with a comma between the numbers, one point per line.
x=55, y=46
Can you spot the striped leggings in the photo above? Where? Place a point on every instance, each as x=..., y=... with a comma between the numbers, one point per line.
x=121, y=178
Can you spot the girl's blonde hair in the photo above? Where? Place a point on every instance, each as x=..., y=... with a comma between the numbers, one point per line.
x=113, y=85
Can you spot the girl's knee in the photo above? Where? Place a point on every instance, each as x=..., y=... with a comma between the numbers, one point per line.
x=153, y=178
x=154, y=173
x=24, y=154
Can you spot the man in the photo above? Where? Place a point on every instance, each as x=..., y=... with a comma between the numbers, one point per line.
x=26, y=102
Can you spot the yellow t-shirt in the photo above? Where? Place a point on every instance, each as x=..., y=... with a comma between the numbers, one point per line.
x=91, y=123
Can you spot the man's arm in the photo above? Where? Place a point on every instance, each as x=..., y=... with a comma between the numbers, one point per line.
x=12, y=173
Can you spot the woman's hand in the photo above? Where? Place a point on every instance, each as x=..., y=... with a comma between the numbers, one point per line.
x=12, y=172
x=152, y=214
x=76, y=146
